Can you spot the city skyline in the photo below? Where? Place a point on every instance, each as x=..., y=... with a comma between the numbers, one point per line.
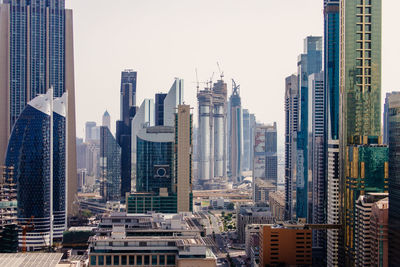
x=198, y=51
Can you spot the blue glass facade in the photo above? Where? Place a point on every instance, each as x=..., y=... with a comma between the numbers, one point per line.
x=59, y=178
x=308, y=63
x=29, y=152
x=28, y=60
x=155, y=165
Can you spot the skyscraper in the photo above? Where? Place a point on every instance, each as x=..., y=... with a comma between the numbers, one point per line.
x=36, y=47
x=394, y=178
x=317, y=157
x=308, y=63
x=386, y=117
x=123, y=127
x=361, y=153
x=89, y=129
x=159, y=106
x=265, y=165
x=291, y=127
x=183, y=158
x=36, y=151
x=110, y=166
x=106, y=120
x=331, y=84
x=236, y=133
x=212, y=137
x=248, y=135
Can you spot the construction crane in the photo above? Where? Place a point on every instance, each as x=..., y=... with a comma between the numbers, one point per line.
x=212, y=76
x=28, y=226
x=197, y=82
x=221, y=73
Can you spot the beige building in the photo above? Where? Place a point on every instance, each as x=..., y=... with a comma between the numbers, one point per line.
x=277, y=205
x=184, y=145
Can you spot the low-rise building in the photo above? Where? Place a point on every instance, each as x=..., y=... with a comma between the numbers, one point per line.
x=251, y=214
x=287, y=245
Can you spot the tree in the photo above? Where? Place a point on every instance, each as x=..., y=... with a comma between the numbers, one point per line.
x=230, y=206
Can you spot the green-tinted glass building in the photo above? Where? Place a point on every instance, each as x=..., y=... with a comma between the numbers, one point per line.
x=364, y=161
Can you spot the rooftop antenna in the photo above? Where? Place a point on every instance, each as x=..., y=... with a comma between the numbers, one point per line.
x=221, y=73
x=197, y=81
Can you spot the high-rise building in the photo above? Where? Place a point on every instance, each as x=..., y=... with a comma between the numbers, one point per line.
x=159, y=106
x=362, y=157
x=124, y=127
x=183, y=158
x=36, y=48
x=106, y=120
x=363, y=224
x=317, y=156
x=235, y=133
x=394, y=178
x=386, y=116
x=308, y=63
x=110, y=166
x=379, y=233
x=248, y=135
x=291, y=127
x=89, y=126
x=163, y=175
x=212, y=137
x=265, y=165
x=331, y=84
x=36, y=151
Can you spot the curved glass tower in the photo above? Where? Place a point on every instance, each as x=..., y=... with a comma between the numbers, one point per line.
x=29, y=152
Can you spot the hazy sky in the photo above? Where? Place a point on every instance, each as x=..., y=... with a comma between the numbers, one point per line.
x=255, y=42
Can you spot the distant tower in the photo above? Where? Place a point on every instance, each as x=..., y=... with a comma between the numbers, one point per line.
x=291, y=128
x=106, y=121
x=236, y=133
x=123, y=127
x=89, y=129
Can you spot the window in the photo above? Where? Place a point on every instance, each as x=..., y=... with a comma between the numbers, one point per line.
x=146, y=260
x=359, y=62
x=359, y=71
x=359, y=53
x=360, y=2
x=142, y=244
x=123, y=260
x=359, y=45
x=161, y=258
x=101, y=260
x=139, y=260
x=153, y=259
x=359, y=27
x=108, y=259
x=93, y=260
x=367, y=71
x=116, y=260
x=359, y=10
x=359, y=19
x=367, y=62
x=368, y=27
x=368, y=19
x=359, y=36
x=131, y=260
x=368, y=45
x=367, y=10
x=368, y=36
x=125, y=244
x=170, y=259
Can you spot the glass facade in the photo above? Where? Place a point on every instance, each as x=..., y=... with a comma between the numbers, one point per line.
x=155, y=161
x=394, y=179
x=145, y=202
x=110, y=165
x=29, y=21
x=29, y=153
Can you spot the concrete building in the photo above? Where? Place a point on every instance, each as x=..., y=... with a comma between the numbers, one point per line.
x=110, y=166
x=285, y=244
x=212, y=137
x=251, y=214
x=124, y=126
x=265, y=165
x=106, y=120
x=46, y=28
x=317, y=155
x=363, y=233
x=291, y=128
x=394, y=178
x=252, y=243
x=379, y=233
x=153, y=239
x=277, y=205
x=261, y=190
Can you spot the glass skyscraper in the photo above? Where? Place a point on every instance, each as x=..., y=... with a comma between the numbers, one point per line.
x=360, y=116
x=36, y=44
x=394, y=178
x=110, y=166
x=308, y=63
